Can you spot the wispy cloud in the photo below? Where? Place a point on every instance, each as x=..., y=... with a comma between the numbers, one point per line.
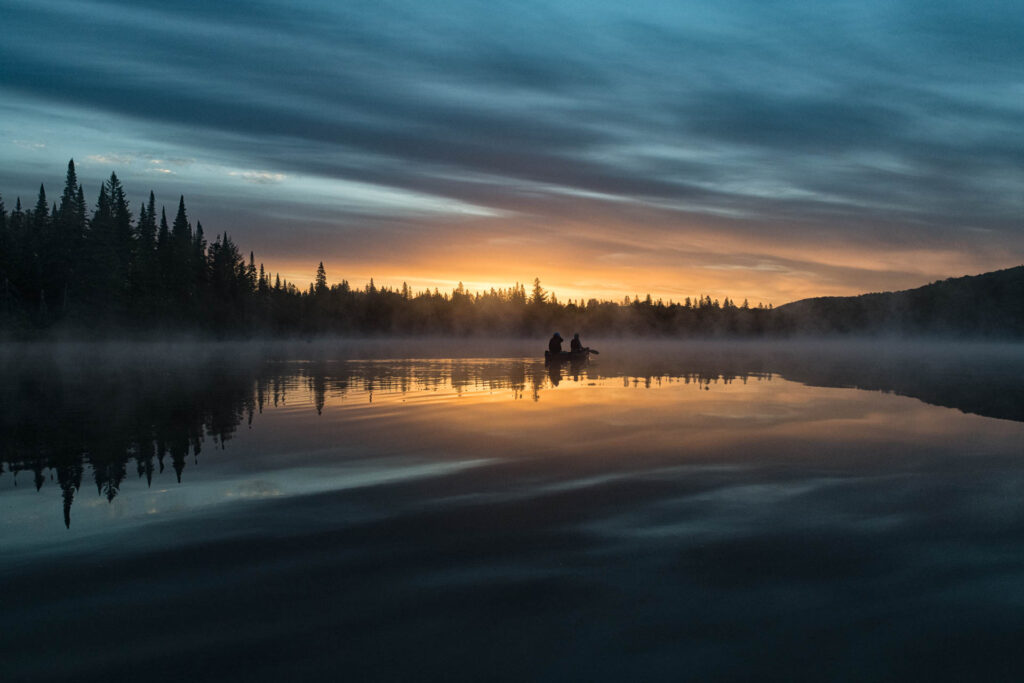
x=259, y=177
x=866, y=128
x=111, y=159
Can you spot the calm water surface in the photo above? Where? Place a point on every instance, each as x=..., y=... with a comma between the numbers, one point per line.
x=667, y=512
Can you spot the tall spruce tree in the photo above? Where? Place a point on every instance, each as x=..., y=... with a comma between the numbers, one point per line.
x=81, y=227
x=144, y=276
x=164, y=265
x=67, y=198
x=264, y=283
x=539, y=295
x=42, y=248
x=120, y=211
x=122, y=235
x=146, y=227
x=100, y=274
x=41, y=214
x=228, y=286
x=181, y=230
x=250, y=274
x=182, y=282
x=321, y=279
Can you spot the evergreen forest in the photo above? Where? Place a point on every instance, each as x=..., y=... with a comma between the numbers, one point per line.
x=71, y=269
x=101, y=270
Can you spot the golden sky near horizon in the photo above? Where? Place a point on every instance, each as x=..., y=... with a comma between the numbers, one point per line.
x=590, y=261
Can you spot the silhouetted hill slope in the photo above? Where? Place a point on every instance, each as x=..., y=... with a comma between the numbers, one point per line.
x=987, y=305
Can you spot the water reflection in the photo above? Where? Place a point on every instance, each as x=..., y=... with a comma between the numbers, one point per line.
x=707, y=514
x=65, y=424
x=91, y=423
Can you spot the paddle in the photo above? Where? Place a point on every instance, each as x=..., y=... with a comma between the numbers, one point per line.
x=594, y=351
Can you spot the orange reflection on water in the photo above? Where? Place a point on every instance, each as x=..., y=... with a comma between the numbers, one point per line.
x=229, y=429
x=515, y=408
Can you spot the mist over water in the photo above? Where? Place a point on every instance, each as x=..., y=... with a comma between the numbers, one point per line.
x=400, y=509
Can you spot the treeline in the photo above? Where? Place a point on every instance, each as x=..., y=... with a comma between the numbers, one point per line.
x=64, y=264
x=104, y=271
x=990, y=305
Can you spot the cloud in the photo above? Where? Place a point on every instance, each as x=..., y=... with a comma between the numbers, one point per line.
x=111, y=159
x=259, y=177
x=865, y=126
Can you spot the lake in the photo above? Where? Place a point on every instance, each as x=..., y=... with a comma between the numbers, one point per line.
x=399, y=510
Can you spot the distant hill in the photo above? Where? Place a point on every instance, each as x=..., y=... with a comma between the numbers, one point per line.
x=987, y=305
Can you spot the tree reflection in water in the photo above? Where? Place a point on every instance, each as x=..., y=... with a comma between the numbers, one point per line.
x=67, y=421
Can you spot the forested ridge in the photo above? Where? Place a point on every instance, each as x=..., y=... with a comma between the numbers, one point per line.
x=103, y=271
x=986, y=305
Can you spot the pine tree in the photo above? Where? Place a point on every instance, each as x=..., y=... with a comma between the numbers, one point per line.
x=181, y=231
x=199, y=259
x=182, y=267
x=101, y=276
x=321, y=279
x=163, y=236
x=145, y=230
x=122, y=231
x=538, y=293
x=227, y=283
x=250, y=274
x=102, y=212
x=264, y=284
x=16, y=227
x=67, y=199
x=41, y=214
x=41, y=245
x=145, y=272
x=164, y=261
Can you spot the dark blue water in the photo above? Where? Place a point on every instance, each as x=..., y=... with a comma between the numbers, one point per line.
x=669, y=512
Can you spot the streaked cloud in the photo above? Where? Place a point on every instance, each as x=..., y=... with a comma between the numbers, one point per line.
x=259, y=177
x=28, y=144
x=111, y=159
x=850, y=146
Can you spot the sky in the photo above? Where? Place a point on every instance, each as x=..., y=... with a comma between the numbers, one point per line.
x=767, y=151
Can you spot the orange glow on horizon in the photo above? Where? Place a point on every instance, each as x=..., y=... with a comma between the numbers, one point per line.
x=774, y=288
x=606, y=261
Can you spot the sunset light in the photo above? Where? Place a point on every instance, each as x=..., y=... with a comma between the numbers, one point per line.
x=525, y=341
x=689, y=151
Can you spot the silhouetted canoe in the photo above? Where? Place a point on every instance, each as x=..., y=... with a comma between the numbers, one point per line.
x=567, y=356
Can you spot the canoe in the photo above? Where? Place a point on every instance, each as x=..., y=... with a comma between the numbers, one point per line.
x=567, y=356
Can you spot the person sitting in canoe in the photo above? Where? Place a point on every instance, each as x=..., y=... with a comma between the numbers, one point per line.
x=576, y=346
x=555, y=345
